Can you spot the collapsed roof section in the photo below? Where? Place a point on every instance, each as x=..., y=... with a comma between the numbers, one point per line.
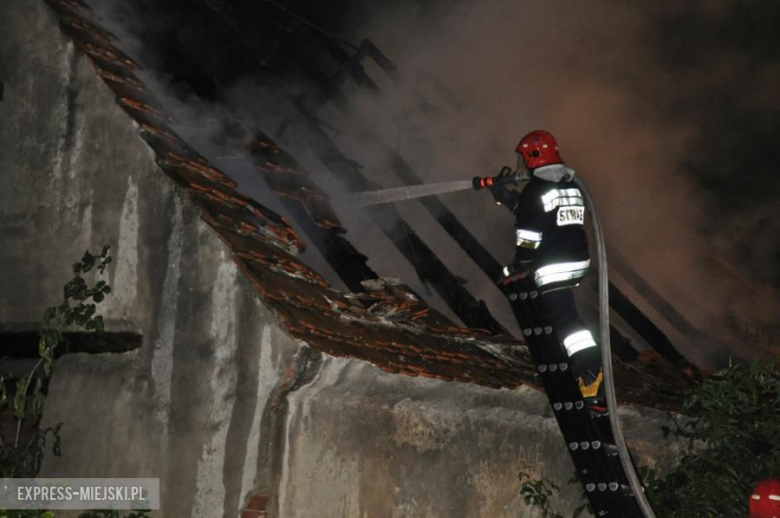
x=385, y=324
x=305, y=43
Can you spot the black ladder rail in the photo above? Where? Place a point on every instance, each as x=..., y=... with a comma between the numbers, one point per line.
x=344, y=110
x=612, y=479
x=576, y=416
x=583, y=444
x=600, y=422
x=594, y=425
x=606, y=467
x=530, y=310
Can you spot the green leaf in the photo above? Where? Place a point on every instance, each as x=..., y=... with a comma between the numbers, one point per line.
x=28, y=398
x=736, y=416
x=48, y=315
x=38, y=398
x=87, y=261
x=98, y=324
x=20, y=398
x=75, y=289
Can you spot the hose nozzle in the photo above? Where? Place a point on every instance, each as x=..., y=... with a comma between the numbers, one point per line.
x=504, y=177
x=482, y=182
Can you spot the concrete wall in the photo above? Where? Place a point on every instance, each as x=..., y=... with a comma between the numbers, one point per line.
x=219, y=400
x=187, y=406
x=362, y=443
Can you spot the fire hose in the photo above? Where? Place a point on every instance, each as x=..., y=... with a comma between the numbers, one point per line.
x=506, y=177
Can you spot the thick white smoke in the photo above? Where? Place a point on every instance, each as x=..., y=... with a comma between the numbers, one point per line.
x=629, y=113
x=595, y=75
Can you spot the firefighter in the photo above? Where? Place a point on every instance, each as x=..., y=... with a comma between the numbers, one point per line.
x=551, y=246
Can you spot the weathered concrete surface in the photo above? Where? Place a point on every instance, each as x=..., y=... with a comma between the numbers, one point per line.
x=364, y=443
x=219, y=400
x=187, y=406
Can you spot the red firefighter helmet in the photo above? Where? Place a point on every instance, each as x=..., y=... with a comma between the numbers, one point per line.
x=765, y=499
x=538, y=149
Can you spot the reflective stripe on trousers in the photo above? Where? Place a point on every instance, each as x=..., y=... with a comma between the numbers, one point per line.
x=560, y=272
x=578, y=341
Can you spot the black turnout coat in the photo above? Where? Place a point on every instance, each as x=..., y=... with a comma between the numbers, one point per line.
x=550, y=238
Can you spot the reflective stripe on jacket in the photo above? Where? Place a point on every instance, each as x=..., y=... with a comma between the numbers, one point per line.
x=550, y=237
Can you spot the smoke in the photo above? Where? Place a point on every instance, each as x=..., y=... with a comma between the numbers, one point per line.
x=188, y=54
x=667, y=112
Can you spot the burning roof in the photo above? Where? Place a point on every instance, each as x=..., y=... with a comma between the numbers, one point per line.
x=381, y=321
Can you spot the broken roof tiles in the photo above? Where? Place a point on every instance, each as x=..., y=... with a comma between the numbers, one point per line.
x=387, y=324
x=287, y=179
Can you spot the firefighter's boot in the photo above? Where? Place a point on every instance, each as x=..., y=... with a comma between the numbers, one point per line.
x=593, y=393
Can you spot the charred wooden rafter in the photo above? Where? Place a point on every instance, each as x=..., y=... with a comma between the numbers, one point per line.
x=474, y=313
x=307, y=204
x=330, y=90
x=397, y=331
x=486, y=262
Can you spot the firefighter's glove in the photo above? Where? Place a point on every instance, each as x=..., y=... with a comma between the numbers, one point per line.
x=511, y=275
x=502, y=195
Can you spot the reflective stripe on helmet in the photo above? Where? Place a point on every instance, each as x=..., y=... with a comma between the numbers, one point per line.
x=561, y=272
x=756, y=497
x=554, y=198
x=578, y=341
x=774, y=497
x=528, y=238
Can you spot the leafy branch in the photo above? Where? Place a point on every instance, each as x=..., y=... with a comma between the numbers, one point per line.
x=731, y=441
x=78, y=308
x=538, y=493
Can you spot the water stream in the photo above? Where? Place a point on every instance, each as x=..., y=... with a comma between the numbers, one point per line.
x=407, y=192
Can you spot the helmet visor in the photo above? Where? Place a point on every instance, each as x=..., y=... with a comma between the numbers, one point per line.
x=521, y=168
